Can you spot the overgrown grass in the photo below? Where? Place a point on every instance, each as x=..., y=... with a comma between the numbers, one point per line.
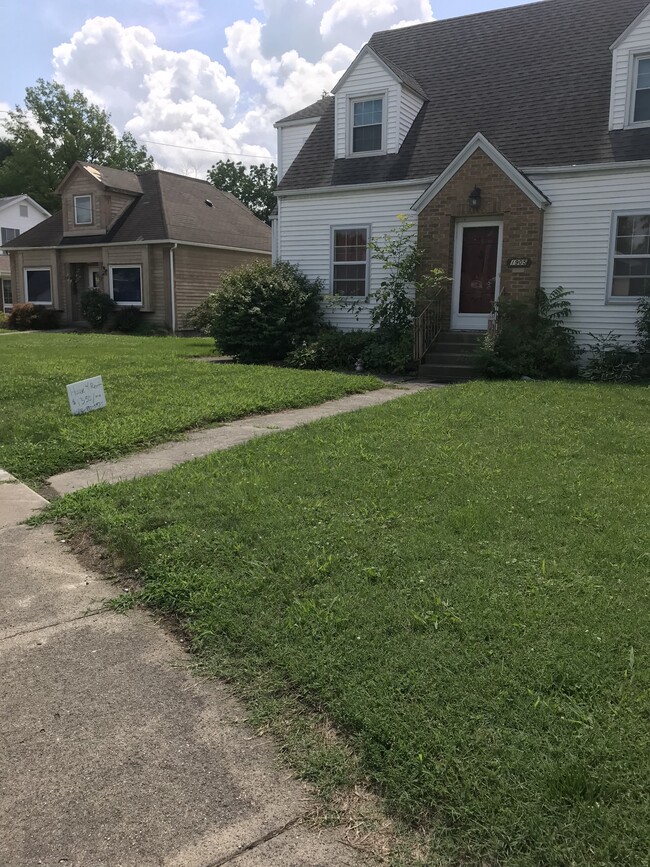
x=459, y=579
x=153, y=392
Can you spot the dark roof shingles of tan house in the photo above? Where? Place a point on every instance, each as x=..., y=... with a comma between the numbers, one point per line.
x=166, y=207
x=534, y=79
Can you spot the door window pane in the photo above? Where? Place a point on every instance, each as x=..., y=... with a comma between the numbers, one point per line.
x=478, y=269
x=126, y=284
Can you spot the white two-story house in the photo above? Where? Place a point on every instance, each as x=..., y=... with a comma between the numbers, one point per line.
x=517, y=142
x=17, y=215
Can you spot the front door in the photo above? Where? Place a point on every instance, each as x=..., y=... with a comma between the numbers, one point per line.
x=477, y=264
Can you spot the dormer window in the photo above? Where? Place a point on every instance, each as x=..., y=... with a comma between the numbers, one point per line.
x=83, y=210
x=367, y=125
x=641, y=112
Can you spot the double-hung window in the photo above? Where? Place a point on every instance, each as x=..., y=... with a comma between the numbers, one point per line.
x=126, y=284
x=83, y=210
x=367, y=125
x=38, y=285
x=631, y=270
x=350, y=262
x=641, y=105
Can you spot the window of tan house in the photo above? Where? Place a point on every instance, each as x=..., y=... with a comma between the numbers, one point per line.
x=83, y=210
x=350, y=262
x=38, y=285
x=126, y=284
x=7, y=300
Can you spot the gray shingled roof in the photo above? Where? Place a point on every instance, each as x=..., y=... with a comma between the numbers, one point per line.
x=534, y=79
x=114, y=179
x=316, y=109
x=168, y=207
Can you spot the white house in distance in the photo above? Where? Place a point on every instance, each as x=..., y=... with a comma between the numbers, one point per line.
x=518, y=143
x=17, y=214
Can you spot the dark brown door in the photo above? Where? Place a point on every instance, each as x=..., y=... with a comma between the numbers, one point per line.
x=478, y=273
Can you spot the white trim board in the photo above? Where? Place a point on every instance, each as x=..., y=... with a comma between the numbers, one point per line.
x=479, y=142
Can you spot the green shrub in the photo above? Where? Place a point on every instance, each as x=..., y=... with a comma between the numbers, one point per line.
x=610, y=361
x=27, y=317
x=3, y=320
x=96, y=307
x=643, y=333
x=341, y=350
x=128, y=320
x=200, y=318
x=530, y=339
x=263, y=311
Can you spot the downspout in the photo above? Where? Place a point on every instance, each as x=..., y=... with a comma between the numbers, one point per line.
x=172, y=286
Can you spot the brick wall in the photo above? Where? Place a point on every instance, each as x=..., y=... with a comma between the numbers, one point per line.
x=501, y=199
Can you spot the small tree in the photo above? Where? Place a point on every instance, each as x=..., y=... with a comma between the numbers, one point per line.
x=394, y=301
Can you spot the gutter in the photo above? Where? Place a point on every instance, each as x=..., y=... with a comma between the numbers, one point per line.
x=172, y=286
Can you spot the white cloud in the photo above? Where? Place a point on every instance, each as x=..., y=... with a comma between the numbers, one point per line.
x=280, y=60
x=185, y=12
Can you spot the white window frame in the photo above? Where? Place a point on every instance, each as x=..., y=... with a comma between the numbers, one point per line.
x=139, y=303
x=74, y=208
x=352, y=101
x=6, y=307
x=633, y=79
x=622, y=299
x=348, y=228
x=28, y=300
x=23, y=207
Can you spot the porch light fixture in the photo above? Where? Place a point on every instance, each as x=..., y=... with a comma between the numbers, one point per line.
x=475, y=197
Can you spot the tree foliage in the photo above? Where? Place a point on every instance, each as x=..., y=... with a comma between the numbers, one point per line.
x=253, y=185
x=55, y=128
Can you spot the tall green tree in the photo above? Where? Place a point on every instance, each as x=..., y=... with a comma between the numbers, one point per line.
x=254, y=186
x=53, y=130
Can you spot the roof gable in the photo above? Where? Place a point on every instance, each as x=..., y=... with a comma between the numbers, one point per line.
x=23, y=198
x=479, y=142
x=388, y=66
x=118, y=180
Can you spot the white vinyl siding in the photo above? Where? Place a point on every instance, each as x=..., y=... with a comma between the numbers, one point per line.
x=305, y=235
x=623, y=73
x=368, y=80
x=577, y=245
x=290, y=142
x=410, y=106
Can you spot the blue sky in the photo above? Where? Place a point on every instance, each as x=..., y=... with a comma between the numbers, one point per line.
x=201, y=79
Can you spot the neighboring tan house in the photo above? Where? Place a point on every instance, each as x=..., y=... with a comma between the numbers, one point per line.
x=518, y=143
x=17, y=215
x=154, y=240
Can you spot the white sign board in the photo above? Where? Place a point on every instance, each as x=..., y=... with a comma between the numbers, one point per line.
x=86, y=395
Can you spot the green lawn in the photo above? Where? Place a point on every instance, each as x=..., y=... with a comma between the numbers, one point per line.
x=460, y=579
x=153, y=390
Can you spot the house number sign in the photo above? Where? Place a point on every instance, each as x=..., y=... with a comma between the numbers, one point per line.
x=519, y=262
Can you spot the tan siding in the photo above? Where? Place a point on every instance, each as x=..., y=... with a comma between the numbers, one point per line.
x=81, y=184
x=117, y=204
x=159, y=285
x=198, y=272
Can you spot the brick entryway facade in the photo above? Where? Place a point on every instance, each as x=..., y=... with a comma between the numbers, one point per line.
x=502, y=201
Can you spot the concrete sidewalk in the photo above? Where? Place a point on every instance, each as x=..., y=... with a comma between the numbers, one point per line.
x=113, y=753
x=204, y=442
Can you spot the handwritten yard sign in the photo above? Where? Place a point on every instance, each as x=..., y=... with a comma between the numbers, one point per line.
x=86, y=395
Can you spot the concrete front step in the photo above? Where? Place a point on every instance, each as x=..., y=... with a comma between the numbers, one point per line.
x=447, y=372
x=471, y=338
x=444, y=357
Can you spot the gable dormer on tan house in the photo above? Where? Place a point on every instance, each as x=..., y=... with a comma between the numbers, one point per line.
x=520, y=153
x=155, y=241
